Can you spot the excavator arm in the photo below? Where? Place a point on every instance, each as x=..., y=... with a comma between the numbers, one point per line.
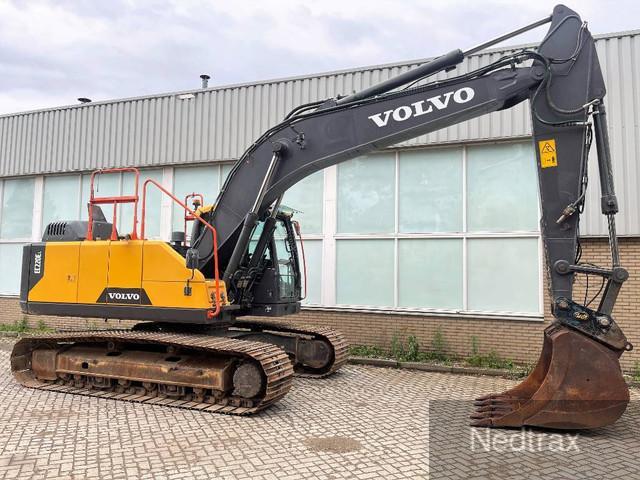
x=564, y=84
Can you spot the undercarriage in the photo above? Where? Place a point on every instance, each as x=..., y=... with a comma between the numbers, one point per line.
x=237, y=370
x=314, y=352
x=180, y=370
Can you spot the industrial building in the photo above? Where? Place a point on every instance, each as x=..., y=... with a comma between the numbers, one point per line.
x=463, y=201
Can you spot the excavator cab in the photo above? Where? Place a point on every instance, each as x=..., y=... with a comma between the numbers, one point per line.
x=271, y=281
x=281, y=261
x=268, y=279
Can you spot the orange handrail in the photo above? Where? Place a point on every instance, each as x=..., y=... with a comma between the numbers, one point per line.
x=93, y=200
x=207, y=225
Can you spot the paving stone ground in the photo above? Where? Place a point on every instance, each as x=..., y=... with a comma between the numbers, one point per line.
x=363, y=422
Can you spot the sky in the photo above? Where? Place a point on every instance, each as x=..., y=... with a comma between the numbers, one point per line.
x=54, y=51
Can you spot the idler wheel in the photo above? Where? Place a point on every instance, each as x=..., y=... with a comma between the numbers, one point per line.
x=247, y=380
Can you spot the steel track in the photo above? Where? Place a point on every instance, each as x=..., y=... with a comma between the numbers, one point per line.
x=332, y=337
x=276, y=367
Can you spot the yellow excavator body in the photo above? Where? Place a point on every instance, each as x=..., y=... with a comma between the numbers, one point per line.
x=119, y=279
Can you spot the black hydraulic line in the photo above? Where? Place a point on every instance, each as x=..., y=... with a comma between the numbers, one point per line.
x=268, y=228
x=243, y=240
x=608, y=201
x=507, y=36
x=301, y=108
x=609, y=206
x=444, y=62
x=251, y=219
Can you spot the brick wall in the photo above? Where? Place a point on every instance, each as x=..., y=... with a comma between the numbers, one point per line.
x=10, y=313
x=519, y=340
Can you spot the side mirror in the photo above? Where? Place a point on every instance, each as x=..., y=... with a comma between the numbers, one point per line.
x=192, y=258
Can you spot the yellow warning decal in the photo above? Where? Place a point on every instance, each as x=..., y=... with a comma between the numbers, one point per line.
x=548, y=154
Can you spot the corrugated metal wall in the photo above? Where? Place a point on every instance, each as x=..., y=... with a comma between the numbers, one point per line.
x=218, y=124
x=620, y=61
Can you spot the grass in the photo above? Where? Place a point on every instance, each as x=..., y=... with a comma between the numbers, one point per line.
x=409, y=350
x=367, y=351
x=487, y=360
x=490, y=360
x=635, y=373
x=524, y=370
x=400, y=351
x=21, y=326
x=439, y=346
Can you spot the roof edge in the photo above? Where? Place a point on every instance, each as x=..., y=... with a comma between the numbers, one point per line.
x=365, y=68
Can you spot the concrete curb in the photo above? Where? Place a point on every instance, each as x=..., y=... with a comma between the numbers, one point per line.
x=429, y=367
x=376, y=362
x=23, y=334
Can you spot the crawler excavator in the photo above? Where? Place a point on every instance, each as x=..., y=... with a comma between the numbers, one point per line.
x=193, y=349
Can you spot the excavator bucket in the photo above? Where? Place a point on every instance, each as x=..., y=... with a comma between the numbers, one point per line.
x=577, y=384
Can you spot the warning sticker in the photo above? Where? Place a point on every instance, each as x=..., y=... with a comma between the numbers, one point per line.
x=548, y=154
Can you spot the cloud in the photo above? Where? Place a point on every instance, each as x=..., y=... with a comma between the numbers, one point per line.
x=52, y=52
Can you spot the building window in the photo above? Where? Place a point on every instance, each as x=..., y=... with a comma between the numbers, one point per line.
x=306, y=199
x=153, y=203
x=17, y=208
x=502, y=188
x=366, y=194
x=104, y=185
x=61, y=199
x=452, y=229
x=312, y=284
x=503, y=274
x=364, y=272
x=16, y=221
x=430, y=273
x=430, y=191
x=204, y=180
x=11, y=266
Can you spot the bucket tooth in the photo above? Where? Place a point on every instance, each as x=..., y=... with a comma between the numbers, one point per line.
x=577, y=384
